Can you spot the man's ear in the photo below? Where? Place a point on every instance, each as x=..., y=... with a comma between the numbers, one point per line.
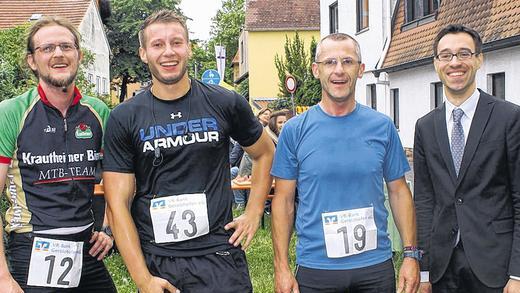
x=30, y=61
x=142, y=54
x=315, y=70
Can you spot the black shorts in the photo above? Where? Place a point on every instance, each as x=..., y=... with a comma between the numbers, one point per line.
x=379, y=278
x=94, y=275
x=220, y=272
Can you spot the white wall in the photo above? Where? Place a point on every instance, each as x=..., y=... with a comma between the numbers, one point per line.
x=414, y=87
x=94, y=39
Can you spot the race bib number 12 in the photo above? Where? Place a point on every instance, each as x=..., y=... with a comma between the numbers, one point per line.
x=55, y=263
x=179, y=217
x=349, y=232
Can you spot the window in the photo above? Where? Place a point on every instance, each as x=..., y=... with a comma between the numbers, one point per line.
x=242, y=57
x=436, y=94
x=333, y=18
x=105, y=85
x=372, y=96
x=98, y=86
x=497, y=85
x=362, y=14
x=90, y=77
x=394, y=105
x=417, y=9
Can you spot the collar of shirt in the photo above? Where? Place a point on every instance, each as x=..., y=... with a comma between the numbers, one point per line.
x=469, y=106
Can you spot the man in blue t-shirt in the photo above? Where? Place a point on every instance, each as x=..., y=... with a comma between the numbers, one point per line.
x=337, y=154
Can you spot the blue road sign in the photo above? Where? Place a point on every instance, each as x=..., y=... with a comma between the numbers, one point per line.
x=211, y=76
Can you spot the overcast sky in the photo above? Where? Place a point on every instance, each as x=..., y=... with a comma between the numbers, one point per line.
x=201, y=12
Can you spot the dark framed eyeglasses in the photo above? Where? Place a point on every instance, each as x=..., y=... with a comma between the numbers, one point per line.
x=461, y=55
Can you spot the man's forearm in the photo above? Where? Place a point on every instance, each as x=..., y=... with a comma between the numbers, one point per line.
x=127, y=240
x=119, y=192
x=261, y=183
x=403, y=210
x=282, y=218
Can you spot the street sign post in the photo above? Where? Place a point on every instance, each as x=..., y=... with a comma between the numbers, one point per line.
x=290, y=85
x=211, y=76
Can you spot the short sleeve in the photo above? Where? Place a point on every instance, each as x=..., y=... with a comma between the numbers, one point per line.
x=285, y=164
x=245, y=129
x=8, y=132
x=118, y=154
x=395, y=164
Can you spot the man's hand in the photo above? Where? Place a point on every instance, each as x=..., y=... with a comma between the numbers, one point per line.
x=245, y=227
x=409, y=276
x=512, y=286
x=285, y=282
x=9, y=285
x=103, y=244
x=425, y=287
x=158, y=285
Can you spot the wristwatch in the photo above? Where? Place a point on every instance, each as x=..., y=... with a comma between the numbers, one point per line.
x=413, y=252
x=107, y=230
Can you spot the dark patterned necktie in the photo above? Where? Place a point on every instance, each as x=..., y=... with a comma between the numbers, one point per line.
x=457, y=139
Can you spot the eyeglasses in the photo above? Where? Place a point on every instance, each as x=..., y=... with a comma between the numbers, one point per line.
x=50, y=48
x=461, y=55
x=333, y=62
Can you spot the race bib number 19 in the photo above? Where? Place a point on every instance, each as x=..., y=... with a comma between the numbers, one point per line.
x=179, y=217
x=349, y=232
x=55, y=263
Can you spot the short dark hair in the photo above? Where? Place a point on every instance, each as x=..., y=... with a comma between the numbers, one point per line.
x=338, y=37
x=162, y=16
x=458, y=28
x=50, y=21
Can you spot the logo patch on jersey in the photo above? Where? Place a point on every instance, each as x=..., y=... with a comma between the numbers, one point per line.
x=161, y=204
x=83, y=131
x=49, y=129
x=175, y=115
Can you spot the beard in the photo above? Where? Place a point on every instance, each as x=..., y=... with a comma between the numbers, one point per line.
x=64, y=82
x=171, y=80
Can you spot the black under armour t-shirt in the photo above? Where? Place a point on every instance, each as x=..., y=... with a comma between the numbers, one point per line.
x=177, y=148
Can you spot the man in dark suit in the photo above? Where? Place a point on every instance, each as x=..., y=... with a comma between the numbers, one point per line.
x=467, y=178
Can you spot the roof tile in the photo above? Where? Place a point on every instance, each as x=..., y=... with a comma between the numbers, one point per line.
x=493, y=19
x=16, y=12
x=268, y=15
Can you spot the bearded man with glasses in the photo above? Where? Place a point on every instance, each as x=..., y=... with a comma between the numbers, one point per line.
x=50, y=148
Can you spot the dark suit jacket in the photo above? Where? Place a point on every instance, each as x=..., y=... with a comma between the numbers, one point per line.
x=483, y=201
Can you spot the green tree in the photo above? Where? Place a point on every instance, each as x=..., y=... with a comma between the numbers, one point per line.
x=296, y=61
x=225, y=31
x=15, y=76
x=122, y=29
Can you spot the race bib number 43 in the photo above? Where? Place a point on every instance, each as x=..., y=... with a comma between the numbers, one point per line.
x=349, y=232
x=55, y=263
x=179, y=217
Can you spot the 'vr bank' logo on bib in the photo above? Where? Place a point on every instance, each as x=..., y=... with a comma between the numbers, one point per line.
x=330, y=220
x=161, y=204
x=41, y=246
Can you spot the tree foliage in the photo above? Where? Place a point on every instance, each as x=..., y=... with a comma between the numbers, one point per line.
x=225, y=31
x=15, y=76
x=122, y=29
x=296, y=61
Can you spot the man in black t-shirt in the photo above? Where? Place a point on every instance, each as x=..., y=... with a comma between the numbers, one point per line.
x=178, y=233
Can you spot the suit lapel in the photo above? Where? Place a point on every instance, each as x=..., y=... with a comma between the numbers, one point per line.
x=441, y=133
x=478, y=124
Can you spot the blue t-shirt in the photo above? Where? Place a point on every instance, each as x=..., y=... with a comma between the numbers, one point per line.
x=339, y=164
